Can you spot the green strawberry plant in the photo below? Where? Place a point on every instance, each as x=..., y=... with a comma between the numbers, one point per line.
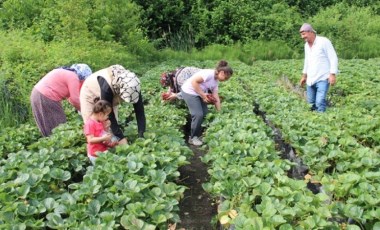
x=50, y=183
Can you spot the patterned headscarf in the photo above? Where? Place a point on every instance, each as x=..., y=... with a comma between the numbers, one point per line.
x=82, y=70
x=125, y=83
x=164, y=79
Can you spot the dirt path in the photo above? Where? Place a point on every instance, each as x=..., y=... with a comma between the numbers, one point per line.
x=196, y=208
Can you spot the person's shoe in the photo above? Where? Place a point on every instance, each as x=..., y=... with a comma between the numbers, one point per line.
x=195, y=141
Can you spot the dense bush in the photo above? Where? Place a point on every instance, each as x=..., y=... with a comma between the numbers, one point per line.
x=26, y=58
x=116, y=21
x=227, y=22
x=243, y=20
x=161, y=17
x=38, y=35
x=184, y=25
x=355, y=31
x=310, y=8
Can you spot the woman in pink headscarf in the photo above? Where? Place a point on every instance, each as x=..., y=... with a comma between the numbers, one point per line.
x=47, y=95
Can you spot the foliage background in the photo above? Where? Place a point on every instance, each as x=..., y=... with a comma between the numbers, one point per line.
x=38, y=35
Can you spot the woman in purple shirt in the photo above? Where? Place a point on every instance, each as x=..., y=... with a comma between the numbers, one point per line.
x=195, y=93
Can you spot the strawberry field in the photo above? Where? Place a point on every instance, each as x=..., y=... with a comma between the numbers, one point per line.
x=272, y=163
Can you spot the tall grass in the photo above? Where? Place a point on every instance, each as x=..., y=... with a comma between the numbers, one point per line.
x=11, y=113
x=180, y=41
x=366, y=48
x=6, y=118
x=247, y=53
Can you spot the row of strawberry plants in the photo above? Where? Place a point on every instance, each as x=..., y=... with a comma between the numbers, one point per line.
x=161, y=121
x=346, y=169
x=249, y=174
x=357, y=93
x=354, y=95
x=13, y=140
x=50, y=183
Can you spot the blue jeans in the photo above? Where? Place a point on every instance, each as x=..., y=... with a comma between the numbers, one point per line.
x=316, y=95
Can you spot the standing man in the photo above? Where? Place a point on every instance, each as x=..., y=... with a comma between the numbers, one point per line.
x=320, y=67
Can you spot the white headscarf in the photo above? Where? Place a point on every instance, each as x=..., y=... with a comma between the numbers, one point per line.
x=125, y=83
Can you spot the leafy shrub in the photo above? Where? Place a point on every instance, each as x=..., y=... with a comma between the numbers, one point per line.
x=247, y=53
x=161, y=17
x=25, y=59
x=354, y=31
x=227, y=22
x=19, y=14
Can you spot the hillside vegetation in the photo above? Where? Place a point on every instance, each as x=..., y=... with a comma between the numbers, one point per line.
x=49, y=183
x=265, y=150
x=39, y=35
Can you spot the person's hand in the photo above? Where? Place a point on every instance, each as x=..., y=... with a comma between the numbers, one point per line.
x=107, y=137
x=172, y=97
x=303, y=80
x=112, y=144
x=210, y=99
x=123, y=141
x=204, y=98
x=332, y=79
x=168, y=96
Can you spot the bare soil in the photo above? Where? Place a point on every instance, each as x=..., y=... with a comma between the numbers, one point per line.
x=197, y=208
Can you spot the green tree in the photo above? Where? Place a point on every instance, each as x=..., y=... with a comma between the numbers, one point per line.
x=374, y=4
x=164, y=19
x=244, y=20
x=114, y=20
x=61, y=20
x=354, y=30
x=110, y=20
x=309, y=8
x=17, y=14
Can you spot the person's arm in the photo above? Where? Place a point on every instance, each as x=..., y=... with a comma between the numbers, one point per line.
x=89, y=130
x=74, y=102
x=218, y=105
x=106, y=93
x=173, y=96
x=140, y=116
x=304, y=70
x=73, y=99
x=333, y=60
x=91, y=139
x=73, y=86
x=196, y=83
x=179, y=95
